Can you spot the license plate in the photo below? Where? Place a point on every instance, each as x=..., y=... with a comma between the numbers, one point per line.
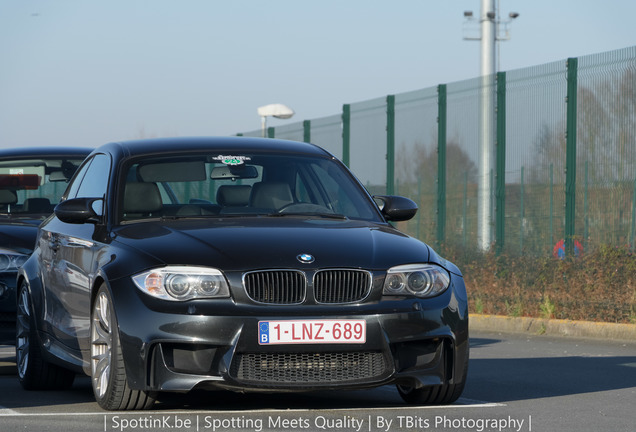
x=312, y=332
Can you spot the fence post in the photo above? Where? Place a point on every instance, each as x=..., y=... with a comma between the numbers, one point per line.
x=465, y=211
x=419, y=204
x=500, y=210
x=551, y=205
x=307, y=131
x=570, y=158
x=586, y=226
x=441, y=164
x=390, y=144
x=522, y=212
x=346, y=134
x=633, y=236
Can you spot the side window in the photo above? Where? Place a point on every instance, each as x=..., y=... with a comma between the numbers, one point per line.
x=92, y=181
x=77, y=181
x=95, y=181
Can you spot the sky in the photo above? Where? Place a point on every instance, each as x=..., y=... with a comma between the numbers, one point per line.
x=88, y=72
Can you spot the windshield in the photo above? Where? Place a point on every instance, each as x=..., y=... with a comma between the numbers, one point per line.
x=241, y=185
x=32, y=187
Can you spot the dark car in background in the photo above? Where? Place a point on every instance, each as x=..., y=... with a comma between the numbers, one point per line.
x=244, y=264
x=32, y=180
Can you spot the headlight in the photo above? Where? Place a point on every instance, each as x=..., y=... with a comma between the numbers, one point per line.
x=421, y=280
x=180, y=283
x=11, y=261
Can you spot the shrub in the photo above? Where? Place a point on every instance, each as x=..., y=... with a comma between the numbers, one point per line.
x=598, y=286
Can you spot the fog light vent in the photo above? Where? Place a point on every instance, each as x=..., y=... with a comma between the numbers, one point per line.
x=190, y=359
x=308, y=368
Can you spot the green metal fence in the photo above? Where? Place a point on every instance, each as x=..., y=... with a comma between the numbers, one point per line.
x=564, y=150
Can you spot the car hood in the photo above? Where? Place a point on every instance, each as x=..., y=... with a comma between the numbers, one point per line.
x=264, y=243
x=18, y=237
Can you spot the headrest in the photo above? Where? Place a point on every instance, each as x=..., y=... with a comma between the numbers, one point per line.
x=8, y=197
x=233, y=196
x=142, y=198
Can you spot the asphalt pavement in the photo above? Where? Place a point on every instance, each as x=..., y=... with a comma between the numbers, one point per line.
x=529, y=381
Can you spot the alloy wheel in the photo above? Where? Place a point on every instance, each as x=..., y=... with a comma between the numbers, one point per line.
x=101, y=344
x=23, y=330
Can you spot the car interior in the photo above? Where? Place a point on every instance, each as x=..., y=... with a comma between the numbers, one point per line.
x=33, y=187
x=263, y=185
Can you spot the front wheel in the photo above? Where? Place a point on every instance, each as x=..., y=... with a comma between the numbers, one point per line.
x=34, y=372
x=108, y=374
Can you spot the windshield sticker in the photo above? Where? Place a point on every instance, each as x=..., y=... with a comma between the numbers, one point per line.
x=232, y=160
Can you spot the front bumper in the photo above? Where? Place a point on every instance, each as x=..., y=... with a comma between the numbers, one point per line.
x=414, y=342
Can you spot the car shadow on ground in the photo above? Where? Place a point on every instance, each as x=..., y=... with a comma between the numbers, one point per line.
x=12, y=396
x=230, y=401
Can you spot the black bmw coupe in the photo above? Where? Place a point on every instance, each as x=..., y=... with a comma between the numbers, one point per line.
x=32, y=180
x=235, y=263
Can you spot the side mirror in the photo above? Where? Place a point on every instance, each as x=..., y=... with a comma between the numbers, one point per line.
x=77, y=210
x=396, y=208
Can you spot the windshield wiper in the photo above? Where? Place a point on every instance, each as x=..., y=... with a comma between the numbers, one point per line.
x=208, y=216
x=310, y=214
x=178, y=217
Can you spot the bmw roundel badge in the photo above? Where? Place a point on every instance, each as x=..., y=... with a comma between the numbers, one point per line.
x=305, y=258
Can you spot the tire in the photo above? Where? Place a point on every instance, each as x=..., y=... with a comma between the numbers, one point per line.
x=435, y=395
x=34, y=372
x=108, y=373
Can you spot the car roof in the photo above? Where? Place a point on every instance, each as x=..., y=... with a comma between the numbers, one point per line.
x=158, y=146
x=42, y=152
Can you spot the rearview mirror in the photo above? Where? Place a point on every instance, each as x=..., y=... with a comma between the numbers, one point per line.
x=58, y=176
x=233, y=172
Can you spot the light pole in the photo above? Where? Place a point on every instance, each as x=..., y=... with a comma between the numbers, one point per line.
x=488, y=36
x=279, y=111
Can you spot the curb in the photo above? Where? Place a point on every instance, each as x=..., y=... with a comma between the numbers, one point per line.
x=553, y=327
